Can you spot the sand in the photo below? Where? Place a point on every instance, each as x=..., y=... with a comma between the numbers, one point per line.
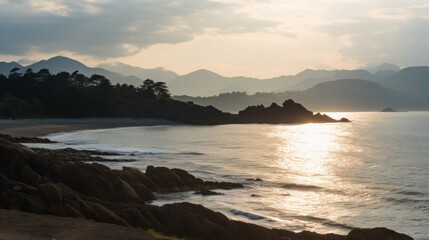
x=22, y=226
x=43, y=127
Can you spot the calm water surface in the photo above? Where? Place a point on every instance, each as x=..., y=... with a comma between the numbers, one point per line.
x=319, y=177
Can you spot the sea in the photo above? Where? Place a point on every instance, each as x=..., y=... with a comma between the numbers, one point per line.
x=328, y=178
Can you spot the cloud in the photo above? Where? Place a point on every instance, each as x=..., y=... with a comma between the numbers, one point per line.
x=398, y=35
x=113, y=28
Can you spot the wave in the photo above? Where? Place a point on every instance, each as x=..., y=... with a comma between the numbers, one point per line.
x=247, y=215
x=105, y=148
x=190, y=153
x=303, y=187
x=324, y=221
x=412, y=193
x=404, y=200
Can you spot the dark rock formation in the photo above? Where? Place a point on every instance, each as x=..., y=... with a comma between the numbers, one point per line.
x=290, y=112
x=25, y=139
x=207, y=192
x=388, y=110
x=70, y=154
x=177, y=180
x=254, y=179
x=39, y=183
x=376, y=233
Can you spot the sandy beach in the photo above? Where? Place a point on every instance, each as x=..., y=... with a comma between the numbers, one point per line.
x=42, y=127
x=21, y=226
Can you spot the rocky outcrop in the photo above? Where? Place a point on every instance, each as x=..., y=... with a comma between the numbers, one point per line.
x=26, y=139
x=290, y=112
x=38, y=183
x=376, y=233
x=70, y=154
x=178, y=180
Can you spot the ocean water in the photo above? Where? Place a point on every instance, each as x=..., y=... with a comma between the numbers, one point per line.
x=318, y=177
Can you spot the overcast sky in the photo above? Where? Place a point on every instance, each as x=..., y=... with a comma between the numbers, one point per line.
x=238, y=37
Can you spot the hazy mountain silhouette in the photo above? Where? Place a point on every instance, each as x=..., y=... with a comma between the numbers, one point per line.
x=356, y=95
x=63, y=64
x=159, y=74
x=336, y=75
x=384, y=67
x=5, y=67
x=339, y=95
x=206, y=83
x=411, y=80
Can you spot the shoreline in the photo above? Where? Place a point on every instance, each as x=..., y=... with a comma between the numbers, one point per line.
x=43, y=127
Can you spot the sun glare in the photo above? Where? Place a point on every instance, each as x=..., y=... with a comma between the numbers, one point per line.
x=314, y=143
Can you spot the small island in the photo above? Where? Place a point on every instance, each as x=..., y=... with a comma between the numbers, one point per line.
x=388, y=110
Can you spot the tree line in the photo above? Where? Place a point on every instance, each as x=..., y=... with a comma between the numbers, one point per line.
x=43, y=94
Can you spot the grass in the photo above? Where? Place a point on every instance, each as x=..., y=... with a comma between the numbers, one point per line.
x=161, y=236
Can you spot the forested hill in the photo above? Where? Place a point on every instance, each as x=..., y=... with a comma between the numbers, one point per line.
x=65, y=95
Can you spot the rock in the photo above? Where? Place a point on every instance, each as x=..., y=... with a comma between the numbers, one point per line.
x=51, y=193
x=69, y=154
x=142, y=185
x=26, y=139
x=289, y=112
x=376, y=233
x=344, y=120
x=254, y=179
x=388, y=110
x=99, y=213
x=206, y=192
x=64, y=210
x=178, y=180
x=255, y=195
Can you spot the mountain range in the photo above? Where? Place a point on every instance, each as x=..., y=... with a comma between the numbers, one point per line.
x=64, y=64
x=381, y=86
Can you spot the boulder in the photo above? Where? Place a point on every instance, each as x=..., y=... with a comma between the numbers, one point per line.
x=376, y=233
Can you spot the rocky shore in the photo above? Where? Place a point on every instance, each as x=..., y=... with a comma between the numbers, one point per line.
x=60, y=183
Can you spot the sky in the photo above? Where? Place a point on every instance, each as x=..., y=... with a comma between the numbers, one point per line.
x=238, y=37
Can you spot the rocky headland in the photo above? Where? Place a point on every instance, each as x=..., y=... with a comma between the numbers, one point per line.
x=289, y=112
x=45, y=182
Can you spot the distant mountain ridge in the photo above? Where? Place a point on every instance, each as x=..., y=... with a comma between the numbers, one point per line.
x=204, y=82
x=411, y=80
x=160, y=74
x=6, y=67
x=384, y=67
x=338, y=95
x=63, y=64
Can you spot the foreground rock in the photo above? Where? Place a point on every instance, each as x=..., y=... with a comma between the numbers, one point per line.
x=70, y=154
x=26, y=139
x=44, y=184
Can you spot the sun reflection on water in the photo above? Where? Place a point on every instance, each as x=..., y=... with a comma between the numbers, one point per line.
x=309, y=155
x=307, y=149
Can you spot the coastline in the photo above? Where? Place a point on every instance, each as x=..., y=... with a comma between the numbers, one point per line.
x=43, y=127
